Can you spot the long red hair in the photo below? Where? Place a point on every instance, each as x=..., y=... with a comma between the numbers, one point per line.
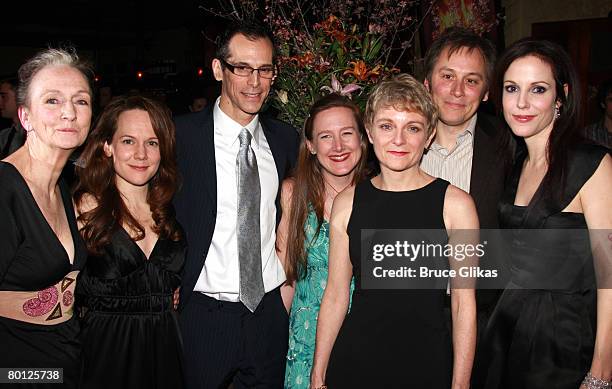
x=309, y=187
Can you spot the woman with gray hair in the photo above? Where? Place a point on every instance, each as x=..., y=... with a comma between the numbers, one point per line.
x=394, y=337
x=42, y=251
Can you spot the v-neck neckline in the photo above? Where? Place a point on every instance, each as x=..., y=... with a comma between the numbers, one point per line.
x=515, y=184
x=144, y=255
x=67, y=209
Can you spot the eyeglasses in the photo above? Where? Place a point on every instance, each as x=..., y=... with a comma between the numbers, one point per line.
x=246, y=71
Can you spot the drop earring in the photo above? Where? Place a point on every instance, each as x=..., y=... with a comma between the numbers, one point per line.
x=557, y=113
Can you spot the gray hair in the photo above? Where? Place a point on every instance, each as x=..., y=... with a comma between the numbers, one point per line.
x=49, y=57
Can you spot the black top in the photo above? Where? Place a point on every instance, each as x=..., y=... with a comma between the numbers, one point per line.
x=32, y=257
x=375, y=208
x=122, y=279
x=542, y=331
x=405, y=329
x=128, y=313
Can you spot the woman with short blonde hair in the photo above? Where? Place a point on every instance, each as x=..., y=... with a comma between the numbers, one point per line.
x=395, y=338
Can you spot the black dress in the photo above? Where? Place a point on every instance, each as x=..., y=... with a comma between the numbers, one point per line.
x=393, y=338
x=33, y=259
x=130, y=330
x=542, y=331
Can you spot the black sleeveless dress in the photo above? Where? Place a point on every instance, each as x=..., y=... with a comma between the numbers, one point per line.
x=542, y=331
x=130, y=331
x=393, y=338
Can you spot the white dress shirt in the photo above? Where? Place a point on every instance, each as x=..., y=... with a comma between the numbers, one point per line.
x=220, y=276
x=454, y=166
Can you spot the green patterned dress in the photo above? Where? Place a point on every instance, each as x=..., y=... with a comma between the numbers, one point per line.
x=306, y=304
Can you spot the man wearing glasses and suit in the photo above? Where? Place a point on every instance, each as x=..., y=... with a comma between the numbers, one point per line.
x=232, y=161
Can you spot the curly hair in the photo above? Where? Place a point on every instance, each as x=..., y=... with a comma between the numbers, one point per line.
x=97, y=178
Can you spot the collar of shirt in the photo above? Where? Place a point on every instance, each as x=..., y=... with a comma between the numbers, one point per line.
x=468, y=132
x=227, y=129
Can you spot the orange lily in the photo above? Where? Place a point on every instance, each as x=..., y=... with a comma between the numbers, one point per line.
x=330, y=24
x=360, y=70
x=305, y=59
x=333, y=28
x=339, y=35
x=375, y=72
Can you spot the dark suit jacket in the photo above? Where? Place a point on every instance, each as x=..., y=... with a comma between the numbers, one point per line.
x=11, y=138
x=491, y=164
x=196, y=200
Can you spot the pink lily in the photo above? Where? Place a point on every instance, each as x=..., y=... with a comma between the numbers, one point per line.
x=336, y=87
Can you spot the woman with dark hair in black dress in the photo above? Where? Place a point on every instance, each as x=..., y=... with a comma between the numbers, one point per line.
x=552, y=327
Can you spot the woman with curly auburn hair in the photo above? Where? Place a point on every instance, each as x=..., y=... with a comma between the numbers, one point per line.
x=136, y=251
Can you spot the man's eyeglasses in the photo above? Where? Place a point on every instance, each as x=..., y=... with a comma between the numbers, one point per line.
x=246, y=71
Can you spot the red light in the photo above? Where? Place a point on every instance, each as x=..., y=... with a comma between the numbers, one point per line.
x=200, y=72
x=139, y=74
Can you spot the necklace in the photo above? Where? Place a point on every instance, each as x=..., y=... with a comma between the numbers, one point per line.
x=331, y=196
x=334, y=189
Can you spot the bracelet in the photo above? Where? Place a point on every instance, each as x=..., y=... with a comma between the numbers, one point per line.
x=321, y=387
x=595, y=383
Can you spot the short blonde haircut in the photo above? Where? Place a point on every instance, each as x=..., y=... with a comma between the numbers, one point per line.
x=404, y=93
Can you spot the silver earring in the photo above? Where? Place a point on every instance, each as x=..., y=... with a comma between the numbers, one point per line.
x=557, y=113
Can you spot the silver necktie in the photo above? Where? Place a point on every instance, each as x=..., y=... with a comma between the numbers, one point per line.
x=248, y=227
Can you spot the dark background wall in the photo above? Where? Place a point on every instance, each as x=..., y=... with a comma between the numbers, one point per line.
x=170, y=42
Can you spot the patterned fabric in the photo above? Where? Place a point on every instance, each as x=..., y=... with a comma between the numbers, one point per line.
x=306, y=304
x=248, y=233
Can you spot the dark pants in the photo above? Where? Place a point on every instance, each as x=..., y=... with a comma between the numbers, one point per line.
x=225, y=343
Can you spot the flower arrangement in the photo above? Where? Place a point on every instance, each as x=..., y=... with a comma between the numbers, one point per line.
x=350, y=46
x=331, y=60
x=476, y=15
x=325, y=46
x=346, y=46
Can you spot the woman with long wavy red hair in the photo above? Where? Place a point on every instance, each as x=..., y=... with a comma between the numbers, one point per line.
x=136, y=250
x=332, y=157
